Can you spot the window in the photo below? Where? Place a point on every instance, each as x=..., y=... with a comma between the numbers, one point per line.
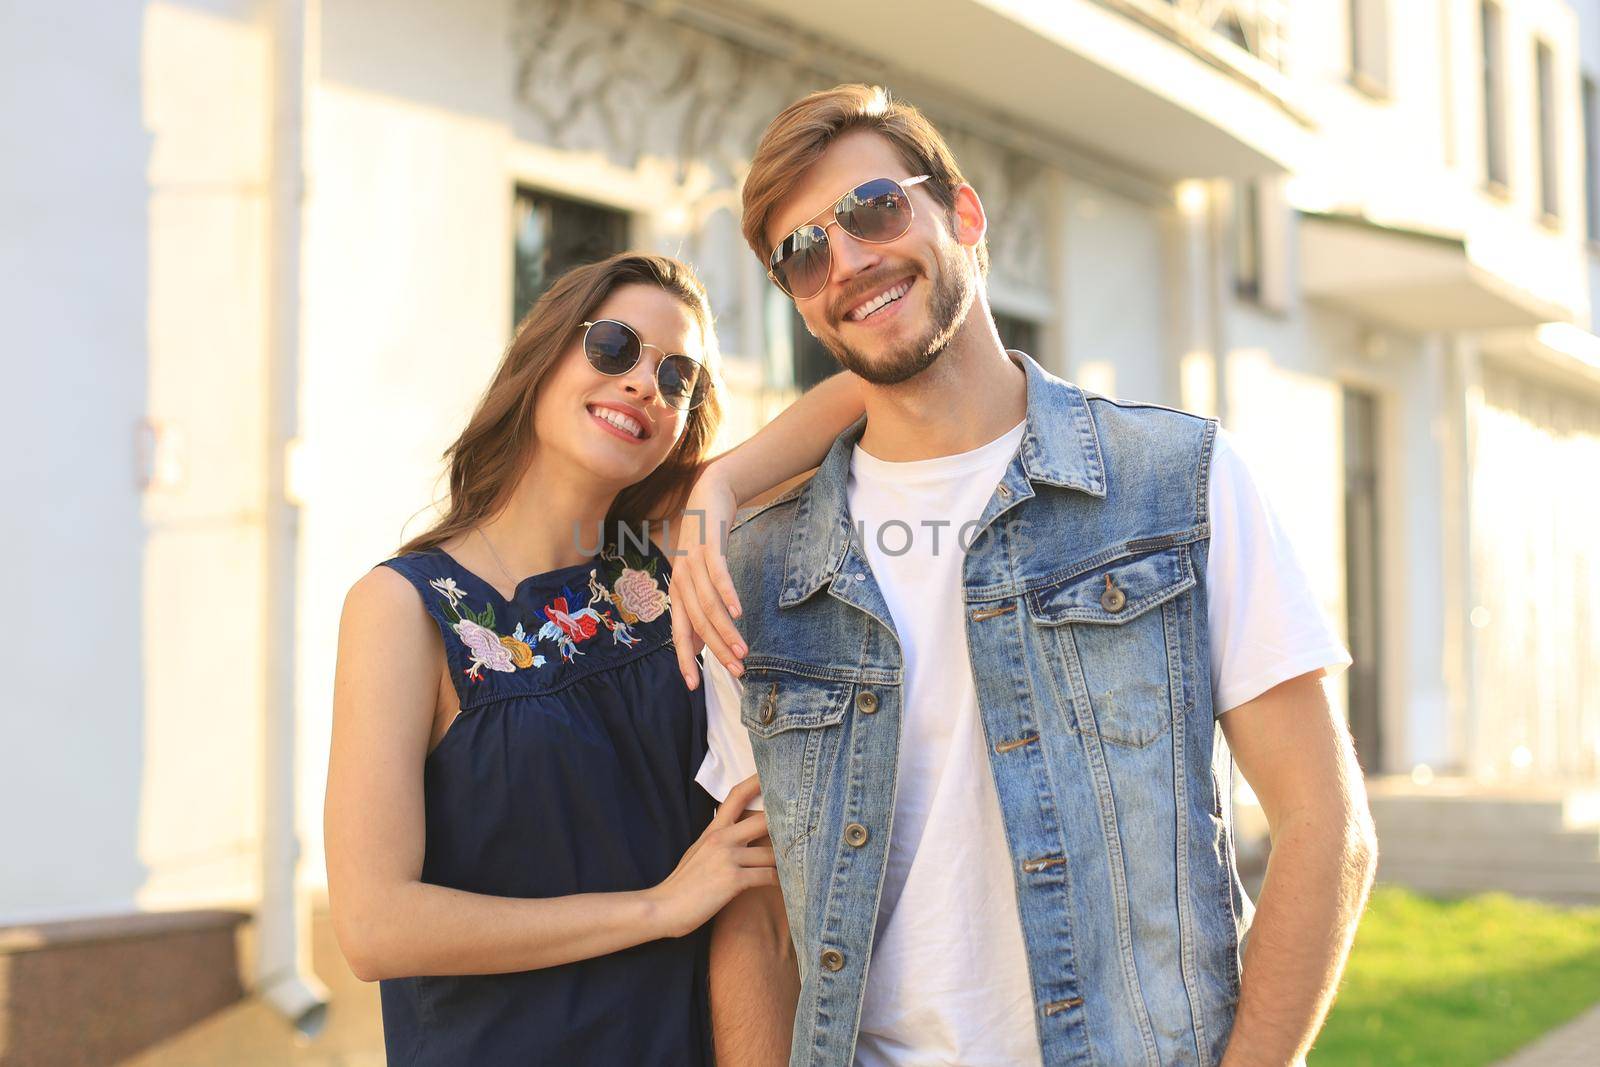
x=1233, y=29
x=1591, y=165
x=1494, y=105
x=1019, y=333
x=1544, y=62
x=1260, y=240
x=551, y=236
x=812, y=360
x=1363, y=576
x=1257, y=26
x=1369, y=46
x=1247, y=240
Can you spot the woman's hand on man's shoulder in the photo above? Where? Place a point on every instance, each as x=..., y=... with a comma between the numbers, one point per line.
x=704, y=601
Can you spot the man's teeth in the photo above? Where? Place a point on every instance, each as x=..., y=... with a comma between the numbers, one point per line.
x=620, y=421
x=882, y=299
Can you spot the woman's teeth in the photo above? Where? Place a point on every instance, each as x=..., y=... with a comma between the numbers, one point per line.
x=881, y=300
x=622, y=422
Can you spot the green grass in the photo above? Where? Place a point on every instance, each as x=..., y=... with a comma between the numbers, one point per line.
x=1459, y=983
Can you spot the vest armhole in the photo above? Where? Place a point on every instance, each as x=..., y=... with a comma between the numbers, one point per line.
x=1208, y=451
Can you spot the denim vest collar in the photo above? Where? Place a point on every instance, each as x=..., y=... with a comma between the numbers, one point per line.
x=1068, y=457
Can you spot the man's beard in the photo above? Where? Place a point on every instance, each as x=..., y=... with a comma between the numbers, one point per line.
x=948, y=305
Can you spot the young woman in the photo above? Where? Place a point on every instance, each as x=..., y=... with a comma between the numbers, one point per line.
x=517, y=850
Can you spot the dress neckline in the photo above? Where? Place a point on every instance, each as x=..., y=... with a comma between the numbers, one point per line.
x=550, y=578
x=550, y=614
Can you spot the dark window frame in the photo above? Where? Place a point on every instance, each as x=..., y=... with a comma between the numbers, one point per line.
x=1547, y=117
x=1249, y=247
x=596, y=231
x=1491, y=55
x=1364, y=527
x=1591, y=158
x=811, y=360
x=1370, y=68
x=1021, y=332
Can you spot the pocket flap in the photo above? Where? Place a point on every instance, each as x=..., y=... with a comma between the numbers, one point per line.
x=1137, y=584
x=775, y=701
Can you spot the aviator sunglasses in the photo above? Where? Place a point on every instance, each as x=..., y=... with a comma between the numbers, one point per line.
x=614, y=349
x=875, y=211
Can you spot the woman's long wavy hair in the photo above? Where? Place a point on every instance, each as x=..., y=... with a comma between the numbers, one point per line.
x=491, y=454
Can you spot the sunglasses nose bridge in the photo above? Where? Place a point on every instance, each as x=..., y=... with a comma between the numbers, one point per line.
x=654, y=388
x=641, y=379
x=851, y=255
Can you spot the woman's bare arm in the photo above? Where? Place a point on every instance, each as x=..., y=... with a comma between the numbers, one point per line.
x=794, y=442
x=388, y=922
x=791, y=445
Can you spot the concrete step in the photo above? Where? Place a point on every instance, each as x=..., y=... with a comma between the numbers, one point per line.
x=1456, y=836
x=1572, y=882
x=1466, y=807
x=1411, y=845
x=1469, y=816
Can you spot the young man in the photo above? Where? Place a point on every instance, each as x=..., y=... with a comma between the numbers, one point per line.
x=990, y=645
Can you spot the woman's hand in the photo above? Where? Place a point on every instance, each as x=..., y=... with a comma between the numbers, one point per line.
x=704, y=603
x=785, y=449
x=718, y=867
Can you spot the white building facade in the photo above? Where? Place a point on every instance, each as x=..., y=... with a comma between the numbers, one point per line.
x=268, y=254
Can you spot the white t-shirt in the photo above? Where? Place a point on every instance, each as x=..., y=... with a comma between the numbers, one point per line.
x=947, y=855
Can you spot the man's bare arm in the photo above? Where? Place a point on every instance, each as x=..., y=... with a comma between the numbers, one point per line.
x=1296, y=754
x=755, y=980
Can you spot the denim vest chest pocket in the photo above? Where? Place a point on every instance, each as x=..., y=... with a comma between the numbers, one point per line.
x=1111, y=636
x=794, y=723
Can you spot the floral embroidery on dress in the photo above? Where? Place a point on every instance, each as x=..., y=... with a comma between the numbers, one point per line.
x=476, y=630
x=638, y=597
x=521, y=649
x=635, y=592
x=572, y=618
x=567, y=620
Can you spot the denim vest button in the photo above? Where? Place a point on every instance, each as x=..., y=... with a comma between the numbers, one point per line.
x=867, y=702
x=1113, y=598
x=832, y=959
x=855, y=834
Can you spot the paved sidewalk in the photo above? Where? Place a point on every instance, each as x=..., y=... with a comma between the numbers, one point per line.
x=1577, y=1044
x=250, y=1034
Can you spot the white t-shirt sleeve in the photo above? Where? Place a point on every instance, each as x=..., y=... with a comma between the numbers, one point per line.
x=1266, y=623
x=729, y=758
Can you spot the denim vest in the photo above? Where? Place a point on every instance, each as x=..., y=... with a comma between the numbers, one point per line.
x=1085, y=606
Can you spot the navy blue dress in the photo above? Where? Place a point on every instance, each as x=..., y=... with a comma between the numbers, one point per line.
x=569, y=770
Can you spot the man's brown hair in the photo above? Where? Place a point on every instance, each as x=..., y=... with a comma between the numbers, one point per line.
x=804, y=130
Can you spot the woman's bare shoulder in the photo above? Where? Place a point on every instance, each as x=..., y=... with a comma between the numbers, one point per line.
x=383, y=588
x=385, y=601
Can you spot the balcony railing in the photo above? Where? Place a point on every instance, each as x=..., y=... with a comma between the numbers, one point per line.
x=1216, y=28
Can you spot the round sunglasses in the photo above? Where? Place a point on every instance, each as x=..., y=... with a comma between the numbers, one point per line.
x=875, y=211
x=614, y=349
